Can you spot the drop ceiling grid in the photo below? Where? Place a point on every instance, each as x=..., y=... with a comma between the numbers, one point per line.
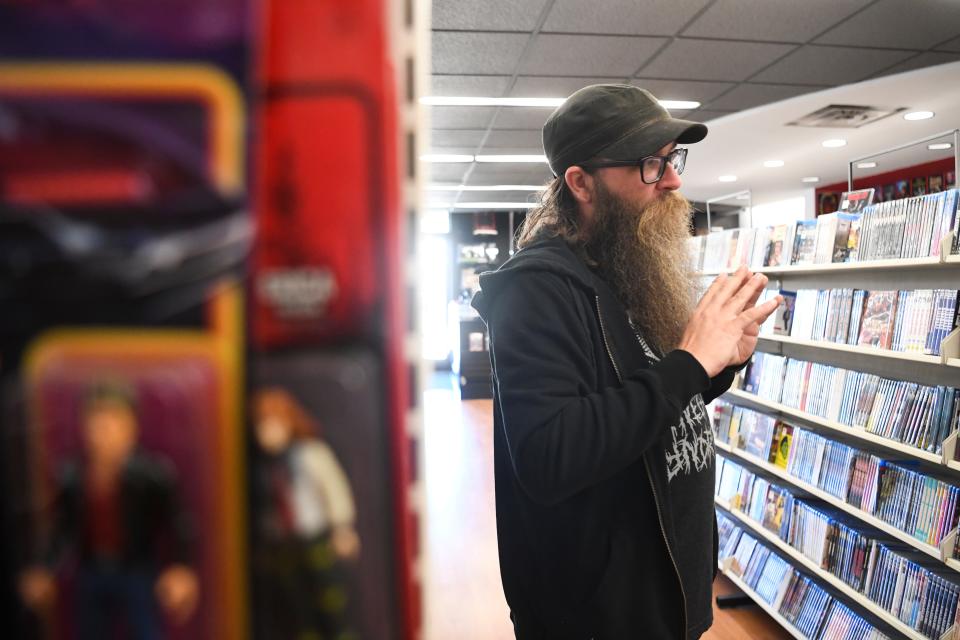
x=730, y=55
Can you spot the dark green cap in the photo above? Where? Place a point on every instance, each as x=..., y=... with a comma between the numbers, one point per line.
x=613, y=121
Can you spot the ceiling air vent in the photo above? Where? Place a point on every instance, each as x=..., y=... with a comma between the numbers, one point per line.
x=847, y=116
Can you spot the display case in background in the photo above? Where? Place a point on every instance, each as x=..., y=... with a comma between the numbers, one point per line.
x=481, y=241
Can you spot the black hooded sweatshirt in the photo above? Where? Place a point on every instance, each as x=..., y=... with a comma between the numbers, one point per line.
x=604, y=460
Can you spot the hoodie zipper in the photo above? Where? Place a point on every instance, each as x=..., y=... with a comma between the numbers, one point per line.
x=656, y=502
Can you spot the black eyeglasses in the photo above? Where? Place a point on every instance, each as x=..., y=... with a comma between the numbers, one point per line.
x=651, y=167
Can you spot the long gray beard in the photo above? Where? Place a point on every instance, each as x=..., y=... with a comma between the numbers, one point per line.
x=642, y=254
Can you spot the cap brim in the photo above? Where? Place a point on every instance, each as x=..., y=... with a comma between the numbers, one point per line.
x=650, y=139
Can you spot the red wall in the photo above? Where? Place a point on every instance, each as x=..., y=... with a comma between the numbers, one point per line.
x=825, y=194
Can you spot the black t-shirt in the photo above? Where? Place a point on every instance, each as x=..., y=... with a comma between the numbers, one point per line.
x=690, y=455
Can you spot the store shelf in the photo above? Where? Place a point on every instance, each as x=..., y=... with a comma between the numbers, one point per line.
x=871, y=265
x=860, y=350
x=753, y=595
x=867, y=518
x=825, y=576
x=852, y=432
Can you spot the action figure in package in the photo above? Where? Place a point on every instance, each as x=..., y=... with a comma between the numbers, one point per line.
x=117, y=516
x=304, y=514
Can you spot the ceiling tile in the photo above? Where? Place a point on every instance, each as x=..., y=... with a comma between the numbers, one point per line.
x=456, y=138
x=473, y=86
x=882, y=25
x=705, y=115
x=490, y=15
x=443, y=172
x=651, y=17
x=692, y=59
x=952, y=45
x=530, y=139
x=456, y=151
x=776, y=21
x=476, y=53
x=830, y=65
x=746, y=96
x=683, y=89
x=497, y=196
x=486, y=174
x=521, y=118
x=921, y=61
x=589, y=55
x=553, y=87
x=461, y=117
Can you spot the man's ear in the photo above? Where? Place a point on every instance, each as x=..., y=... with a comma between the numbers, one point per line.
x=580, y=184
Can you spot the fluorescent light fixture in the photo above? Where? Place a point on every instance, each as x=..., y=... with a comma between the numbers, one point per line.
x=773, y=164
x=445, y=157
x=727, y=178
x=810, y=179
x=454, y=101
x=512, y=158
x=939, y=146
x=477, y=101
x=495, y=205
x=918, y=115
x=866, y=165
x=492, y=187
x=679, y=104
x=834, y=143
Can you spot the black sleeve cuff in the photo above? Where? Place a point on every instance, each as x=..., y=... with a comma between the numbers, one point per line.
x=683, y=377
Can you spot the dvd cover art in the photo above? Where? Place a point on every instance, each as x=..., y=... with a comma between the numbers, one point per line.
x=876, y=327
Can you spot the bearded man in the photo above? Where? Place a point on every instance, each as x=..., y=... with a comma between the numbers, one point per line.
x=602, y=363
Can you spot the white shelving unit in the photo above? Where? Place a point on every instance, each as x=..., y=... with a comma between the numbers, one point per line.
x=824, y=576
x=851, y=432
x=861, y=350
x=871, y=265
x=930, y=550
x=753, y=595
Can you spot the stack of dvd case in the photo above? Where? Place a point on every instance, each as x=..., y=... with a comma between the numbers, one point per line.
x=911, y=321
x=906, y=228
x=917, y=415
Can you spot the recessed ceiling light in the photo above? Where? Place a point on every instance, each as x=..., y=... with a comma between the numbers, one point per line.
x=492, y=187
x=918, y=115
x=512, y=158
x=939, y=146
x=727, y=178
x=866, y=165
x=445, y=157
x=495, y=205
x=773, y=164
x=834, y=142
x=810, y=179
x=461, y=101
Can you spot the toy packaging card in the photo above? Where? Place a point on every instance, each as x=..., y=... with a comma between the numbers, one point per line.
x=320, y=507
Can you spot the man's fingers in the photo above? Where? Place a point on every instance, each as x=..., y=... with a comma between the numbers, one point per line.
x=733, y=284
x=749, y=291
x=712, y=290
x=752, y=302
x=759, y=313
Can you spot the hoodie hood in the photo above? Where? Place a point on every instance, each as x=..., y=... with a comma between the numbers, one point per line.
x=552, y=255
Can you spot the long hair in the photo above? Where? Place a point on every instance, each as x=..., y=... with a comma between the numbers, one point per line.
x=280, y=403
x=556, y=216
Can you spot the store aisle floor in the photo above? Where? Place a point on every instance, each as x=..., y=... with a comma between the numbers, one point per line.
x=464, y=599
